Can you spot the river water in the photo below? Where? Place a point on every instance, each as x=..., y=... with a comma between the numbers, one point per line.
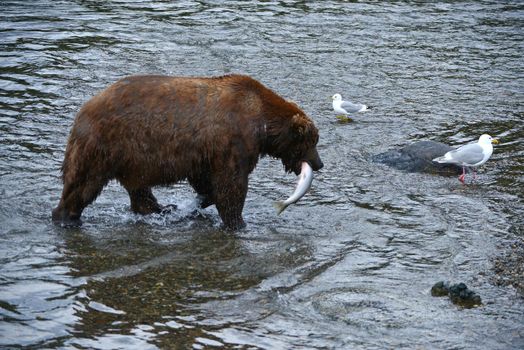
x=352, y=264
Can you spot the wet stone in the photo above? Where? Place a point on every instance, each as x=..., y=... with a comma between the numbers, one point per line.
x=459, y=294
x=418, y=157
x=440, y=289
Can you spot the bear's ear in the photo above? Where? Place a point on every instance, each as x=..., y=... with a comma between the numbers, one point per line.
x=301, y=124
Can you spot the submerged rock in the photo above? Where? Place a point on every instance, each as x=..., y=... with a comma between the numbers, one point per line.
x=440, y=289
x=461, y=295
x=418, y=157
x=458, y=293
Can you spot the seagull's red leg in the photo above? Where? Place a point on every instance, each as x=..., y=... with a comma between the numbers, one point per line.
x=463, y=176
x=474, y=174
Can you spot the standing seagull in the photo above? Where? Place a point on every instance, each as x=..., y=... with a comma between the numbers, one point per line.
x=345, y=107
x=471, y=155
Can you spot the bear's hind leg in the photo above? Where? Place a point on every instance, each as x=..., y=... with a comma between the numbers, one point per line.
x=76, y=195
x=143, y=201
x=204, y=189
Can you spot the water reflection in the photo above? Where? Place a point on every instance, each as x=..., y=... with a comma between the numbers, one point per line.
x=135, y=282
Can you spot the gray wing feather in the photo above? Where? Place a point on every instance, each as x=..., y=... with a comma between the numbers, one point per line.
x=468, y=154
x=351, y=107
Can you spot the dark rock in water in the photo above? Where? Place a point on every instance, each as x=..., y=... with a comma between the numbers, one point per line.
x=418, y=157
x=440, y=289
x=461, y=295
x=458, y=293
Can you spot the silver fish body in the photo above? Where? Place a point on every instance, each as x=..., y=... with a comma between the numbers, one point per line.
x=304, y=184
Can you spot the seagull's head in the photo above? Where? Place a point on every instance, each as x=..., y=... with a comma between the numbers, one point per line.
x=336, y=97
x=486, y=139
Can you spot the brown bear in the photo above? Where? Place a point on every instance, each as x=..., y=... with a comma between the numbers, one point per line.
x=146, y=131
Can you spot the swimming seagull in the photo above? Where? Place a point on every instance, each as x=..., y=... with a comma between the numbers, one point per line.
x=345, y=107
x=471, y=155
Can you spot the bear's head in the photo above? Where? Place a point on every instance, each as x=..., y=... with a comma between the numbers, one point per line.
x=294, y=142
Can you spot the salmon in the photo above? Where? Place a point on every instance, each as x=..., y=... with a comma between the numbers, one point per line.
x=304, y=184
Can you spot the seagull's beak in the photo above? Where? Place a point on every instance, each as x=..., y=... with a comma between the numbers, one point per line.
x=495, y=141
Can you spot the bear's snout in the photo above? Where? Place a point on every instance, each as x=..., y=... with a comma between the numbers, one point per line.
x=314, y=160
x=317, y=164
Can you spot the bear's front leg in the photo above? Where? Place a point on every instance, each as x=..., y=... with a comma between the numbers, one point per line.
x=230, y=195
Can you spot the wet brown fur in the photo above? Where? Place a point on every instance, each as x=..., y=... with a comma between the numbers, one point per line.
x=146, y=131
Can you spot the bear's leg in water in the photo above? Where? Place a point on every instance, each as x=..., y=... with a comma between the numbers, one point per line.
x=143, y=201
x=203, y=187
x=76, y=195
x=230, y=194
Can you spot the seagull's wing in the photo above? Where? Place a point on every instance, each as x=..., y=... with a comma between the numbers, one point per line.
x=467, y=154
x=351, y=107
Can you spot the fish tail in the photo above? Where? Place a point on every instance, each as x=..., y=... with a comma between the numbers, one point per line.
x=279, y=206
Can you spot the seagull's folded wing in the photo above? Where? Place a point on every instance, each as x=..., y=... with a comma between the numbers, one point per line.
x=352, y=107
x=468, y=154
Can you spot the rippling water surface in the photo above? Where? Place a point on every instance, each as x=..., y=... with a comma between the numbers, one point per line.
x=351, y=265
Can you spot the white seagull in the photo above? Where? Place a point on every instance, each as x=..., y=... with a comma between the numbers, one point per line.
x=344, y=108
x=471, y=155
